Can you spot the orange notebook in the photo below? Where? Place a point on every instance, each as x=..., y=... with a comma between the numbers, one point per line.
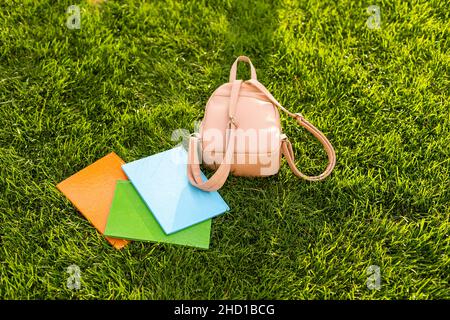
x=91, y=191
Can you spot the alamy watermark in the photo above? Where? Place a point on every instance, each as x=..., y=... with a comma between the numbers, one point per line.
x=251, y=146
x=74, y=279
x=74, y=20
x=374, y=21
x=374, y=277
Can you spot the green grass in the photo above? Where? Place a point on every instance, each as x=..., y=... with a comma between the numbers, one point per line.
x=136, y=71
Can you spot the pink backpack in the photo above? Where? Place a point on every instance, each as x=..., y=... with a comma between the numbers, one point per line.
x=241, y=133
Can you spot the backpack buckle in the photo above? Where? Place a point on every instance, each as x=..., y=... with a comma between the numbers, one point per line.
x=299, y=117
x=233, y=121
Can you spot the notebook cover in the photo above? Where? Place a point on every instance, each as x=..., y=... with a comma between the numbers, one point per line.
x=91, y=191
x=162, y=182
x=130, y=218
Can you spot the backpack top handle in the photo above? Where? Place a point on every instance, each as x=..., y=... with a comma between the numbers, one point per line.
x=233, y=69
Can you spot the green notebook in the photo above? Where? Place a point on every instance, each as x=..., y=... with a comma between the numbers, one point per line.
x=130, y=218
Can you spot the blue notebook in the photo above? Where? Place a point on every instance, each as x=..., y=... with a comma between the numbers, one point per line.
x=162, y=182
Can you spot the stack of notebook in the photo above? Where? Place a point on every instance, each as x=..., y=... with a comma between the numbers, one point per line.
x=149, y=199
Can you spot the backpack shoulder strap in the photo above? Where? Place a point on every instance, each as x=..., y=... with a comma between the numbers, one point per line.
x=286, y=146
x=220, y=176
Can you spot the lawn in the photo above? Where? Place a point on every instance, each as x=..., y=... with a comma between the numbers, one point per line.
x=136, y=71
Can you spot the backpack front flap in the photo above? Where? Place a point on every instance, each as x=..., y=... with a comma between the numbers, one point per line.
x=257, y=132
